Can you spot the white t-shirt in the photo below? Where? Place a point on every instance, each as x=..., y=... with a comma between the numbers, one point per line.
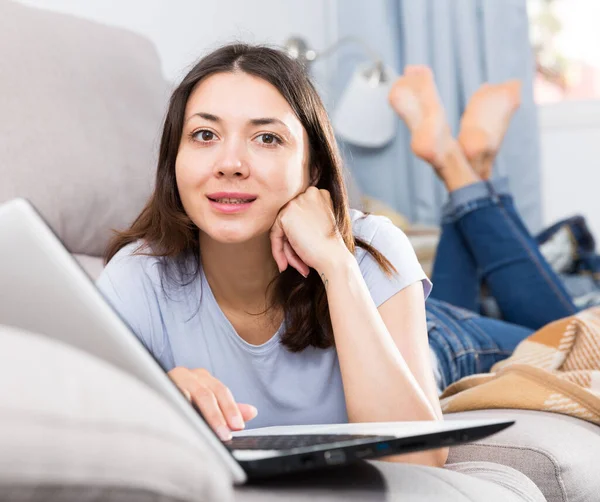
x=186, y=327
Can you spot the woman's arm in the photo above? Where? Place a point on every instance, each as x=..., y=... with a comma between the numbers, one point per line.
x=384, y=357
x=384, y=354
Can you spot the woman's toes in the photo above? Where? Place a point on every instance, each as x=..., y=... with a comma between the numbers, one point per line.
x=485, y=122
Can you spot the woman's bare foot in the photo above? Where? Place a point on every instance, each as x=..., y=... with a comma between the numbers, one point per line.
x=415, y=98
x=485, y=121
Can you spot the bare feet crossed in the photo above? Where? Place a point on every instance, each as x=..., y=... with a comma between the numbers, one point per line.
x=485, y=121
x=415, y=98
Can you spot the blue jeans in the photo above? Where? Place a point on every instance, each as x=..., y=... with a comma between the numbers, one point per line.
x=484, y=243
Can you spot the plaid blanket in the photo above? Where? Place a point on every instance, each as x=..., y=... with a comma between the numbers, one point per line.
x=556, y=369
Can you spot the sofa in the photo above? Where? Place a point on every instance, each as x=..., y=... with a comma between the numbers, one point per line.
x=81, y=106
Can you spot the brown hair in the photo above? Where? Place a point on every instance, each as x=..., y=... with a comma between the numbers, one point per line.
x=168, y=232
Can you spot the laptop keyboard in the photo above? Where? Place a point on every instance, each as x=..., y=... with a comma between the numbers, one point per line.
x=288, y=442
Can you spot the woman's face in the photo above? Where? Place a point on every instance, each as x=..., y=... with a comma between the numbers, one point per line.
x=240, y=138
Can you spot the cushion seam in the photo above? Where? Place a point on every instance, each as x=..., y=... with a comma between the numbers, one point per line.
x=448, y=484
x=540, y=451
x=502, y=482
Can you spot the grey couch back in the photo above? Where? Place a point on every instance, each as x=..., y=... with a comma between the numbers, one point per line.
x=81, y=107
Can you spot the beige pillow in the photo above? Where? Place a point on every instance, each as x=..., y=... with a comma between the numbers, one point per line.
x=81, y=106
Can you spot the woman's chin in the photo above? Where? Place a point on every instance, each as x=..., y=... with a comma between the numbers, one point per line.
x=236, y=231
x=232, y=235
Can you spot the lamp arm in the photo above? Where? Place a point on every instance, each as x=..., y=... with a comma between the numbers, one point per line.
x=345, y=40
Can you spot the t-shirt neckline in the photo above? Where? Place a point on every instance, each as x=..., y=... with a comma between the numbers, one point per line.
x=231, y=331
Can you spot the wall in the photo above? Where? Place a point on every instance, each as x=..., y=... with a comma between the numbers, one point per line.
x=570, y=142
x=182, y=30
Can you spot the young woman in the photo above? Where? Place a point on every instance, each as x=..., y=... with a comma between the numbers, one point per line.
x=251, y=281
x=248, y=277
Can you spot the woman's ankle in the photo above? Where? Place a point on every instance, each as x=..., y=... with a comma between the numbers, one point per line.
x=455, y=171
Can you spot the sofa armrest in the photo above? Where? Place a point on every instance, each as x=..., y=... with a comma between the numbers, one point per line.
x=558, y=453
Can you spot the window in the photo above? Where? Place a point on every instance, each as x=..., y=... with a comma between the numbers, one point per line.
x=565, y=36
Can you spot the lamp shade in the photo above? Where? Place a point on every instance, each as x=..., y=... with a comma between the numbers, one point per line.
x=363, y=115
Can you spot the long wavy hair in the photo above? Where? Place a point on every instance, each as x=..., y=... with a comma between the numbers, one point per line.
x=167, y=232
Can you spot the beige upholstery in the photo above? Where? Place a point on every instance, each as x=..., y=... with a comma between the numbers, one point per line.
x=75, y=428
x=383, y=481
x=71, y=421
x=560, y=454
x=81, y=107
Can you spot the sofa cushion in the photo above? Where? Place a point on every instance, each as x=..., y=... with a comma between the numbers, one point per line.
x=81, y=106
x=73, y=427
x=557, y=452
x=378, y=481
x=93, y=265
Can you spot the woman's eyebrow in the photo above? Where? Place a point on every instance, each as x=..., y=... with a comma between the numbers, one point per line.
x=255, y=122
x=204, y=115
x=269, y=121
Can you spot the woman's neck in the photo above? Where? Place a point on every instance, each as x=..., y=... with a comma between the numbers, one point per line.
x=238, y=274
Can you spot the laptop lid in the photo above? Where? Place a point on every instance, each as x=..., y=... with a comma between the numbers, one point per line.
x=51, y=294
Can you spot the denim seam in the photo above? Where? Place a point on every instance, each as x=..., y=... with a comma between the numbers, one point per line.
x=566, y=302
x=445, y=332
x=436, y=311
x=464, y=209
x=458, y=327
x=445, y=346
x=500, y=264
x=479, y=351
x=468, y=348
x=485, y=335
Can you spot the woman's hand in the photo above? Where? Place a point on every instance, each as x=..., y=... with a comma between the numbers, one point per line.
x=213, y=399
x=305, y=233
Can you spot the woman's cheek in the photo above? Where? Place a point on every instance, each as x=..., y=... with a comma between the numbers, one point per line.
x=190, y=170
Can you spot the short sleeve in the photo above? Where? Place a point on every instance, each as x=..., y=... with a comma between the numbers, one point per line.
x=126, y=287
x=393, y=243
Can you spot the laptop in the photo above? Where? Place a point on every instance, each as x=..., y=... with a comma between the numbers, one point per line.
x=49, y=293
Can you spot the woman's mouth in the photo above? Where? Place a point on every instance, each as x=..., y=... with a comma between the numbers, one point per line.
x=232, y=201
x=230, y=204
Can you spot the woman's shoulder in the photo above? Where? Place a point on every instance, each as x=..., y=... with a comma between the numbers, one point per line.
x=380, y=233
x=375, y=229
x=130, y=262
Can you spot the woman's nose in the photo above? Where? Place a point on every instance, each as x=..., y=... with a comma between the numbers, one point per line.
x=233, y=162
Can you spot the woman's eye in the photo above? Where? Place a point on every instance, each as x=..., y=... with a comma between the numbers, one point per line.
x=269, y=139
x=204, y=135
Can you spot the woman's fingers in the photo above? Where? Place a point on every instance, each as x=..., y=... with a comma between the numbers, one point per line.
x=213, y=399
x=248, y=411
x=228, y=406
x=206, y=401
x=277, y=245
x=294, y=260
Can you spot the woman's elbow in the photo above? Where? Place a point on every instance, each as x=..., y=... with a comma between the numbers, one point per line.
x=429, y=458
x=435, y=458
x=440, y=457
